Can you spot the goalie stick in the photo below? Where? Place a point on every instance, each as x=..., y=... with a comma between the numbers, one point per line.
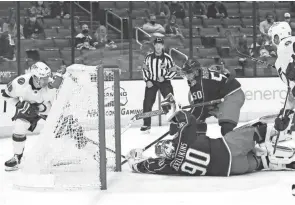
x=233, y=46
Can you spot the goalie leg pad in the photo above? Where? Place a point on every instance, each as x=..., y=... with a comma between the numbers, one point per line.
x=280, y=160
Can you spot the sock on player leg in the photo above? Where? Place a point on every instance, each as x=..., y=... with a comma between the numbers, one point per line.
x=18, y=143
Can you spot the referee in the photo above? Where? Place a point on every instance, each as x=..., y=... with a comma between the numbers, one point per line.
x=157, y=74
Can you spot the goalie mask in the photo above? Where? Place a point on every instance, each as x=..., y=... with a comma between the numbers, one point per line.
x=165, y=149
x=278, y=31
x=41, y=74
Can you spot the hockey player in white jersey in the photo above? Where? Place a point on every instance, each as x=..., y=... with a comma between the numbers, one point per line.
x=280, y=33
x=34, y=93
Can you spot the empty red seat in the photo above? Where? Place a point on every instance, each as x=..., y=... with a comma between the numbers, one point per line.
x=50, y=33
x=212, y=23
x=62, y=43
x=206, y=62
x=196, y=22
x=228, y=23
x=207, y=53
x=41, y=44
x=49, y=54
x=51, y=23
x=209, y=32
x=106, y=4
x=55, y=64
x=63, y=33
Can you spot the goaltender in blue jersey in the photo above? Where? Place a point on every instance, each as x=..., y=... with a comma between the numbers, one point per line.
x=192, y=153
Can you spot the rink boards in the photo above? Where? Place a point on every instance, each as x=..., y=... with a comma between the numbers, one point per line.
x=263, y=96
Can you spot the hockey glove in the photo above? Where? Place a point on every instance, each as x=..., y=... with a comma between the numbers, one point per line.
x=167, y=103
x=180, y=116
x=281, y=123
x=26, y=111
x=290, y=71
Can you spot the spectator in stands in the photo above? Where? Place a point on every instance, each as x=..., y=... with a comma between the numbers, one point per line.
x=177, y=9
x=200, y=9
x=152, y=26
x=266, y=45
x=160, y=8
x=101, y=36
x=243, y=48
x=6, y=47
x=217, y=10
x=32, y=28
x=265, y=25
x=173, y=31
x=40, y=10
x=60, y=9
x=287, y=17
x=84, y=40
x=10, y=26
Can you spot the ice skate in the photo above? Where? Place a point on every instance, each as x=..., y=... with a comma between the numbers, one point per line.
x=13, y=163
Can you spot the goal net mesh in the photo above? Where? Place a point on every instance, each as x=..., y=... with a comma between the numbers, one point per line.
x=66, y=154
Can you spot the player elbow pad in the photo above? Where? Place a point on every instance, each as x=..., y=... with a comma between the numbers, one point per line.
x=4, y=94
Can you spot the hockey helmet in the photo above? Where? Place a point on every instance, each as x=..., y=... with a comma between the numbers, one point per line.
x=165, y=149
x=279, y=31
x=190, y=66
x=41, y=70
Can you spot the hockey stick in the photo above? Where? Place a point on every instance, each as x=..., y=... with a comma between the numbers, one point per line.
x=284, y=110
x=184, y=107
x=151, y=144
x=263, y=119
x=161, y=112
x=95, y=143
x=233, y=46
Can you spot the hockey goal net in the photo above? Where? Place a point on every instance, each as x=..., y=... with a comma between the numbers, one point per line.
x=78, y=144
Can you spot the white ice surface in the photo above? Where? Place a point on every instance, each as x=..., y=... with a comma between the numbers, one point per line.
x=139, y=189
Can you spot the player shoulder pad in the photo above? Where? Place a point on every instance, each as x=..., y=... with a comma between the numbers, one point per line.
x=21, y=80
x=9, y=87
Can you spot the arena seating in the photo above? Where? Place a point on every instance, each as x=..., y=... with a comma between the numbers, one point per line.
x=209, y=42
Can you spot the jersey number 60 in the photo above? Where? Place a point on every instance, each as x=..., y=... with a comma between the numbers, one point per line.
x=193, y=159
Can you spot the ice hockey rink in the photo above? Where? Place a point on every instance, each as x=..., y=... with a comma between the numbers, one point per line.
x=139, y=189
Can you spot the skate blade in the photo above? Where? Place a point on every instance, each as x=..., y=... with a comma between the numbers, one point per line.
x=146, y=132
x=11, y=169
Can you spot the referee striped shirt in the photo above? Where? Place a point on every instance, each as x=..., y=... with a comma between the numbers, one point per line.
x=152, y=70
